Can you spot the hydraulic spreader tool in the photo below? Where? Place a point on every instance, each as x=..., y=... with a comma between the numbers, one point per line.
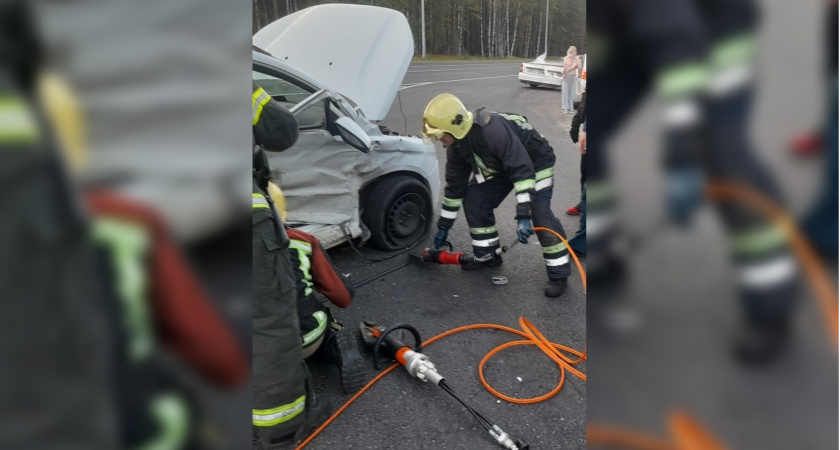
x=385, y=343
x=438, y=256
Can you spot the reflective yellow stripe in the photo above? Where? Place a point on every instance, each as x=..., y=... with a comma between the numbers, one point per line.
x=683, y=80
x=284, y=413
x=554, y=248
x=301, y=245
x=258, y=201
x=545, y=173
x=734, y=51
x=258, y=100
x=765, y=239
x=172, y=415
x=17, y=123
x=482, y=166
x=304, y=250
x=128, y=245
x=310, y=337
x=484, y=230
x=524, y=185
x=452, y=202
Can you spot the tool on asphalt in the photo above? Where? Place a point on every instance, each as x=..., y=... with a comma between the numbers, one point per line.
x=500, y=281
x=419, y=366
x=438, y=256
x=531, y=336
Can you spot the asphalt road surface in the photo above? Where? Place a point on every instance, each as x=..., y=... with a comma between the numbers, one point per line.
x=684, y=288
x=402, y=412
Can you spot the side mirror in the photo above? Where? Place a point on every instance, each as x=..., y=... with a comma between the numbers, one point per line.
x=353, y=134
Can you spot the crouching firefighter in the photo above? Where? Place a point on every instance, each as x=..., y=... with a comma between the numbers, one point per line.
x=322, y=336
x=489, y=154
x=281, y=396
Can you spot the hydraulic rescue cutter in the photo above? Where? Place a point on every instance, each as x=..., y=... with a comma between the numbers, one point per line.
x=384, y=342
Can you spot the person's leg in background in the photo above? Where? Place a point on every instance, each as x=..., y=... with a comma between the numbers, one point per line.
x=578, y=241
x=555, y=253
x=761, y=255
x=620, y=87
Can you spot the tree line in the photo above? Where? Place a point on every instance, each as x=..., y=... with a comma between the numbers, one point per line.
x=490, y=28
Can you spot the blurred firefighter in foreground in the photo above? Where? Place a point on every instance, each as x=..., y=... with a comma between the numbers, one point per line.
x=289, y=323
x=156, y=301
x=489, y=154
x=282, y=396
x=122, y=275
x=57, y=362
x=699, y=57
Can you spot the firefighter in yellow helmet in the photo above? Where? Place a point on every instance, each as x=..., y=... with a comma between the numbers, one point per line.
x=488, y=154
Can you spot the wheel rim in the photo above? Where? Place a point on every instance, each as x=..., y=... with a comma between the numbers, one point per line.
x=405, y=218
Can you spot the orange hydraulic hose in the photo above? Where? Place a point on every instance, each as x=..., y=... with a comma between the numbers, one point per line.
x=823, y=287
x=612, y=436
x=533, y=336
x=571, y=252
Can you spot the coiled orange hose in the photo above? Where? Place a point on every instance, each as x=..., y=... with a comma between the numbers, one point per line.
x=530, y=333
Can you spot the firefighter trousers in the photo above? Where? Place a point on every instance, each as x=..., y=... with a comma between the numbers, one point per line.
x=482, y=199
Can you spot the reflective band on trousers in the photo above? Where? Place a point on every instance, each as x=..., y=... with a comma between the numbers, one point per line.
x=452, y=202
x=448, y=214
x=545, y=173
x=284, y=413
x=259, y=99
x=768, y=273
x=557, y=261
x=523, y=197
x=687, y=79
x=735, y=51
x=765, y=239
x=310, y=337
x=682, y=113
x=542, y=184
x=524, y=185
x=554, y=248
x=258, y=201
x=483, y=230
x=485, y=242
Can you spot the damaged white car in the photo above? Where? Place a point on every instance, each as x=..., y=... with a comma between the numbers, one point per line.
x=338, y=68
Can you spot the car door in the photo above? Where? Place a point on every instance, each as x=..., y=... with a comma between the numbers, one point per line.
x=319, y=173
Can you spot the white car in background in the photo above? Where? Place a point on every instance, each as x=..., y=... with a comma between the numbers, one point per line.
x=337, y=68
x=548, y=73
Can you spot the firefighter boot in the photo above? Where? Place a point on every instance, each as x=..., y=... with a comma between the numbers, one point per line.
x=342, y=350
x=761, y=342
x=555, y=288
x=490, y=261
x=318, y=409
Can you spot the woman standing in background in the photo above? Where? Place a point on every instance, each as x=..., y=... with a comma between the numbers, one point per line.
x=571, y=67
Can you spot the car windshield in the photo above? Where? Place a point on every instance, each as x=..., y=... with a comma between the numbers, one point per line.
x=289, y=94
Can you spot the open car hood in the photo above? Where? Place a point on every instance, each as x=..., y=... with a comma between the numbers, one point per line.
x=361, y=52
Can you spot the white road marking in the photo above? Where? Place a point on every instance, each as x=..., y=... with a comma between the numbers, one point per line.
x=452, y=81
x=462, y=70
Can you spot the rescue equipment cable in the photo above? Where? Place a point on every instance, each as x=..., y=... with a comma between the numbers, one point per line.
x=532, y=337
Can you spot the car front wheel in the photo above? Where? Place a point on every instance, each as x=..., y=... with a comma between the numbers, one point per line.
x=398, y=212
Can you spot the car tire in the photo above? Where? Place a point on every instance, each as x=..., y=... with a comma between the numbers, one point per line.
x=398, y=212
x=533, y=85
